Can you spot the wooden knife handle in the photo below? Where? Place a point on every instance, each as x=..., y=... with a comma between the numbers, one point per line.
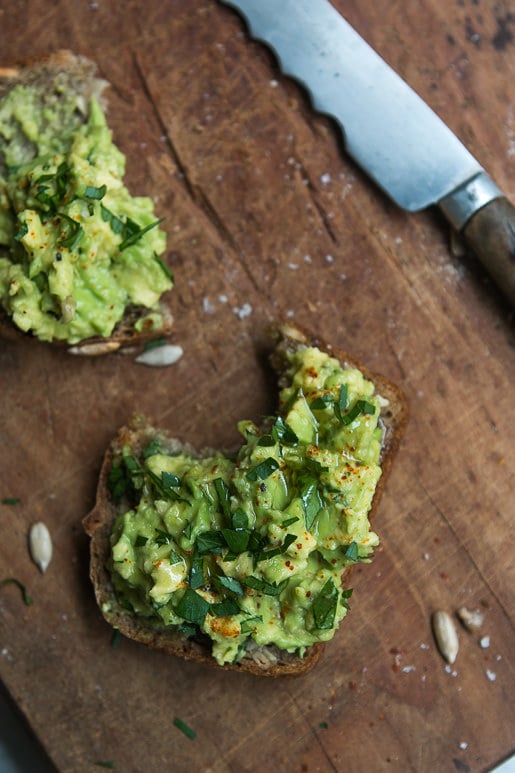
x=490, y=233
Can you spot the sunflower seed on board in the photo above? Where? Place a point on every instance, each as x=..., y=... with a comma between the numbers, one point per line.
x=40, y=545
x=446, y=636
x=160, y=356
x=471, y=619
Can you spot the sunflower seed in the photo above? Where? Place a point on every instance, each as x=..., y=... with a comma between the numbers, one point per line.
x=160, y=356
x=95, y=349
x=472, y=620
x=40, y=545
x=445, y=635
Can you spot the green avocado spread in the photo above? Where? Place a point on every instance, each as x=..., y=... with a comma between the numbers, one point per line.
x=76, y=249
x=250, y=550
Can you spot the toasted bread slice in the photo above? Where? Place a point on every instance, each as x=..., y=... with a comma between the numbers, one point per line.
x=264, y=661
x=66, y=72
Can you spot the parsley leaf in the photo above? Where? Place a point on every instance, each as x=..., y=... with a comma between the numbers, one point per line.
x=352, y=552
x=225, y=608
x=359, y=407
x=27, y=600
x=267, y=588
x=311, y=498
x=211, y=541
x=264, y=469
x=92, y=192
x=324, y=606
x=192, y=607
x=224, y=496
x=184, y=728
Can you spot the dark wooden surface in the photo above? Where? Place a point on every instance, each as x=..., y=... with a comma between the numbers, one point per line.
x=263, y=208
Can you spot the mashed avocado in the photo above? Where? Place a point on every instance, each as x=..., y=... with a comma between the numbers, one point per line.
x=76, y=249
x=252, y=549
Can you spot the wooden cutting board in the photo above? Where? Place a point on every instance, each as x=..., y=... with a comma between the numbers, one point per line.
x=267, y=217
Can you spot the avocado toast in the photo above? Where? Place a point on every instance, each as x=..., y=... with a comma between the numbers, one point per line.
x=80, y=257
x=242, y=560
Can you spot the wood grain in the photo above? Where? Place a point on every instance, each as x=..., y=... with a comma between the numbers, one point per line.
x=264, y=208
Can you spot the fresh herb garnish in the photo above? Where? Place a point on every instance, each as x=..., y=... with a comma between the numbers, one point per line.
x=359, y=407
x=165, y=485
x=154, y=344
x=93, y=192
x=352, y=552
x=267, y=588
x=248, y=625
x=51, y=188
x=153, y=448
x=71, y=232
x=324, y=606
x=11, y=501
x=184, y=728
x=118, y=482
x=192, y=607
x=132, y=232
x=210, y=542
x=266, y=440
x=107, y=764
x=164, y=267
x=321, y=403
x=266, y=554
x=283, y=433
x=237, y=539
x=162, y=537
x=239, y=519
x=225, y=608
x=345, y=596
x=341, y=403
x=116, y=639
x=224, y=496
x=196, y=578
x=230, y=583
x=13, y=581
x=289, y=521
x=264, y=469
x=115, y=223
x=310, y=497
x=21, y=232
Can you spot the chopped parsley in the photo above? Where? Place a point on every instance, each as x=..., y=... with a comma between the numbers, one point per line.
x=13, y=581
x=184, y=728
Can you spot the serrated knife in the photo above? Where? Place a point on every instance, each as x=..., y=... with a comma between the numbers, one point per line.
x=391, y=133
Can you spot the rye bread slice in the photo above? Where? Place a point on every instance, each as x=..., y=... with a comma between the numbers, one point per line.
x=263, y=661
x=78, y=75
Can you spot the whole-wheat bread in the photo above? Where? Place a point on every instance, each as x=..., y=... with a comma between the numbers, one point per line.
x=78, y=75
x=267, y=661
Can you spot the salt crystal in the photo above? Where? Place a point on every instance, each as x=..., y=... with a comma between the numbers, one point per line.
x=243, y=311
x=491, y=676
x=484, y=643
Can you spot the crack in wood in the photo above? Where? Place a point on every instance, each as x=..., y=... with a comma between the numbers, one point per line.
x=463, y=547
x=195, y=192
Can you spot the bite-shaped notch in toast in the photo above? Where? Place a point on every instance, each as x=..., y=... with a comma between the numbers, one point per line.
x=242, y=560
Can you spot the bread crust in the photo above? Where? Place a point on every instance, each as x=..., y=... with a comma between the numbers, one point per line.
x=83, y=77
x=268, y=661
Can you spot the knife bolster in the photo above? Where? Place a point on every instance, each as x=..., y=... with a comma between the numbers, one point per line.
x=459, y=206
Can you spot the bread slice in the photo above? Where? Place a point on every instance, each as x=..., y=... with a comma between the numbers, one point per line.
x=264, y=661
x=66, y=72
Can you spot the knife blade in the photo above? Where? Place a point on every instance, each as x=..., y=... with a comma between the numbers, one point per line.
x=389, y=131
